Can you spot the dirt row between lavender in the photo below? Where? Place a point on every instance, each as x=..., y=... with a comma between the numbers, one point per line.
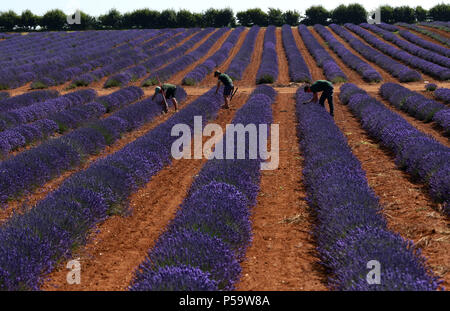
x=282, y=256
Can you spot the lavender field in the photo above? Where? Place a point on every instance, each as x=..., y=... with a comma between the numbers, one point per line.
x=87, y=171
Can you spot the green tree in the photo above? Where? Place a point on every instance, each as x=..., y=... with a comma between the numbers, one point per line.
x=28, y=20
x=252, y=17
x=186, y=19
x=275, y=17
x=145, y=18
x=404, y=14
x=420, y=14
x=8, y=20
x=111, y=20
x=440, y=12
x=316, y=15
x=54, y=20
x=353, y=13
x=291, y=17
x=387, y=14
x=167, y=19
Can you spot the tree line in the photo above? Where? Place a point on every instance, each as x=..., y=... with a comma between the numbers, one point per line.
x=146, y=18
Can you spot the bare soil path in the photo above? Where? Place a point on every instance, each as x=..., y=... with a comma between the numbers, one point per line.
x=352, y=75
x=316, y=71
x=282, y=256
x=283, y=66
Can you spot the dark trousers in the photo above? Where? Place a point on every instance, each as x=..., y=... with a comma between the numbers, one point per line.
x=327, y=95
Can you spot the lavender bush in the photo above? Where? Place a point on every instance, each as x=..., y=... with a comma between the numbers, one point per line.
x=184, y=61
x=199, y=73
x=443, y=94
x=419, y=154
x=298, y=69
x=367, y=72
x=42, y=110
x=268, y=69
x=323, y=59
x=415, y=104
x=442, y=61
x=425, y=43
x=26, y=99
x=426, y=32
x=401, y=72
x=350, y=229
x=242, y=59
x=436, y=71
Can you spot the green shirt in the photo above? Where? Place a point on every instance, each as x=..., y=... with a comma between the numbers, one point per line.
x=225, y=79
x=321, y=85
x=168, y=87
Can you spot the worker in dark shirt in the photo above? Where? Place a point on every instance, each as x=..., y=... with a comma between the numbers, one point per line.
x=228, y=86
x=324, y=86
x=168, y=92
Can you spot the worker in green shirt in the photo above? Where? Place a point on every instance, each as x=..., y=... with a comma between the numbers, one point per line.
x=167, y=91
x=228, y=86
x=324, y=86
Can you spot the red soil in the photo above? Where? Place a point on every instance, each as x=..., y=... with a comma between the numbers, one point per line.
x=316, y=71
x=283, y=66
x=282, y=254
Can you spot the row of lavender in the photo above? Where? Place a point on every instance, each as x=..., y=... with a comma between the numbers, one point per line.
x=436, y=71
x=32, y=244
x=401, y=72
x=242, y=59
x=41, y=110
x=426, y=32
x=419, y=154
x=443, y=94
x=202, y=246
x=38, y=121
x=183, y=62
x=33, y=56
x=34, y=167
x=424, y=43
x=350, y=230
x=197, y=74
x=172, y=56
x=442, y=61
x=268, y=69
x=298, y=69
x=65, y=120
x=128, y=56
x=367, y=72
x=332, y=71
x=417, y=105
x=111, y=60
x=154, y=48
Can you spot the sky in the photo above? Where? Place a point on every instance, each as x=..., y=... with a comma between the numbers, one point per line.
x=98, y=7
